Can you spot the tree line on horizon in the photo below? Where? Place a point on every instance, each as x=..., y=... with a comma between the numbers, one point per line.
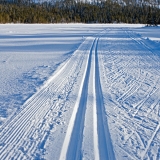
x=71, y=11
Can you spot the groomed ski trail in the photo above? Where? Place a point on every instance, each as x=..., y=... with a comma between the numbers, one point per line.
x=104, y=139
x=74, y=139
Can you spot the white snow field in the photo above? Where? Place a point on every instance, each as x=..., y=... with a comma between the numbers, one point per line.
x=79, y=91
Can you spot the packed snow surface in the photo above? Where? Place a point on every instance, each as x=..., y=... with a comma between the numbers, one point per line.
x=79, y=91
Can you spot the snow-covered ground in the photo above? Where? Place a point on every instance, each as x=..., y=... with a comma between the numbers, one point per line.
x=79, y=91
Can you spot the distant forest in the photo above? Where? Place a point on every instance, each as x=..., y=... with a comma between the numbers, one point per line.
x=71, y=11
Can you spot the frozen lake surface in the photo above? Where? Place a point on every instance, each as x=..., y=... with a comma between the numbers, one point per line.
x=79, y=91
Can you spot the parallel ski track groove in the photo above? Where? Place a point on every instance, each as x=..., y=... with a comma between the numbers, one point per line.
x=95, y=124
x=104, y=139
x=74, y=137
x=74, y=150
